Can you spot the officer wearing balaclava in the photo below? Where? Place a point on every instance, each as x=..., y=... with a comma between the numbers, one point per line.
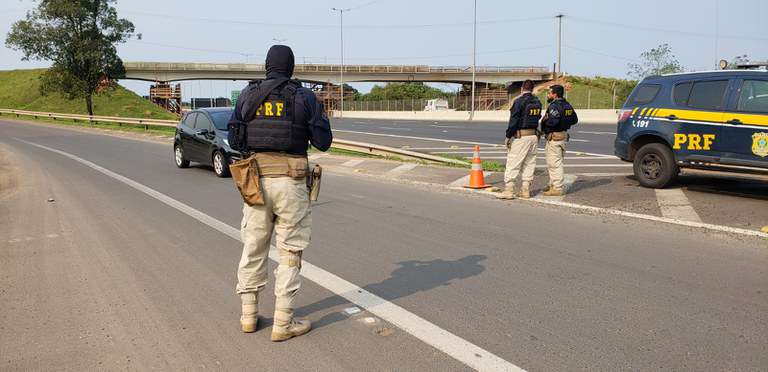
x=274, y=122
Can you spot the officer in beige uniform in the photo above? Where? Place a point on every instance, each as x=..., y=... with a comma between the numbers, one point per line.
x=560, y=116
x=273, y=124
x=522, y=139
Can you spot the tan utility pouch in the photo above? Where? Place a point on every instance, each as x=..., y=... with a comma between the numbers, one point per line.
x=272, y=164
x=557, y=136
x=245, y=173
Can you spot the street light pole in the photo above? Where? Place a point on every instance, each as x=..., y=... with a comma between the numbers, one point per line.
x=341, y=37
x=559, y=42
x=474, y=60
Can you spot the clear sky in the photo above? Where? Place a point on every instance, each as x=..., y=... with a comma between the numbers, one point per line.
x=599, y=37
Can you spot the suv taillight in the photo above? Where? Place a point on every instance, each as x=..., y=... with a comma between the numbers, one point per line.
x=624, y=115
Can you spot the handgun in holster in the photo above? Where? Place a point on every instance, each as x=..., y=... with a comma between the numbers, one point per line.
x=313, y=182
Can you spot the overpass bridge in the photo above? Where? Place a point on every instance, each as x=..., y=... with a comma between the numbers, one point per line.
x=329, y=73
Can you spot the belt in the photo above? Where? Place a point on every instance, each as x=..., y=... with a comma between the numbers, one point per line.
x=525, y=132
x=276, y=164
x=557, y=136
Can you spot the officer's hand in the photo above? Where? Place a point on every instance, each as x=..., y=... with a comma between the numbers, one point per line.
x=508, y=143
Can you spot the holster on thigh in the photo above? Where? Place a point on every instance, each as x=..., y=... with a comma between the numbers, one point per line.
x=290, y=259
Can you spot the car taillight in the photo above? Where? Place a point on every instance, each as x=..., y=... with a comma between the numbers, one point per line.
x=624, y=115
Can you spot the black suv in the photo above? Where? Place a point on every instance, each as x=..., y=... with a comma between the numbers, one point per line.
x=713, y=120
x=201, y=136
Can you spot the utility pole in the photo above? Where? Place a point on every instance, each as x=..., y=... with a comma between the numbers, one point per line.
x=341, y=37
x=474, y=60
x=717, y=32
x=559, y=43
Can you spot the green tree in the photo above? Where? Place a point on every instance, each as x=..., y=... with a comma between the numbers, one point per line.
x=400, y=91
x=657, y=61
x=79, y=37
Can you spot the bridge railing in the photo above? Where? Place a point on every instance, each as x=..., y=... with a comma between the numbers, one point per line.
x=414, y=69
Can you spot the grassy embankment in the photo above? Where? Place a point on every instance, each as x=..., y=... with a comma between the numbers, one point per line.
x=594, y=93
x=20, y=90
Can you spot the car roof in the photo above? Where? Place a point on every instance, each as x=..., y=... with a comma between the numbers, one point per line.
x=214, y=109
x=708, y=74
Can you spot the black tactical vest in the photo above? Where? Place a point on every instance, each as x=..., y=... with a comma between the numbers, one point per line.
x=531, y=113
x=274, y=126
x=568, y=115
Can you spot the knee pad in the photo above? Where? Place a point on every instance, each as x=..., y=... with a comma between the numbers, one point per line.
x=290, y=258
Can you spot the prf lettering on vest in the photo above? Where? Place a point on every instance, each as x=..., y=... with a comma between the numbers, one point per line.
x=271, y=109
x=694, y=141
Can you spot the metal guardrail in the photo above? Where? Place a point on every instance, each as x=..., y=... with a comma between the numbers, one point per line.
x=93, y=118
x=236, y=67
x=373, y=149
x=367, y=148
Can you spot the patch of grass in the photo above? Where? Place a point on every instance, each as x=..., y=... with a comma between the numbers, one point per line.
x=490, y=166
x=20, y=90
x=594, y=93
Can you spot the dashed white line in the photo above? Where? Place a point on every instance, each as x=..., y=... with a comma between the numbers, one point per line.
x=674, y=204
x=462, y=350
x=399, y=170
x=353, y=163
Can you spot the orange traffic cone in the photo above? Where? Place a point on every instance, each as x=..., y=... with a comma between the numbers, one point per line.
x=476, y=176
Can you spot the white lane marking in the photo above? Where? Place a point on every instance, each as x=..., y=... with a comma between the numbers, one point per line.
x=578, y=140
x=674, y=204
x=604, y=174
x=390, y=128
x=465, y=180
x=399, y=170
x=462, y=350
x=590, y=132
x=317, y=156
x=648, y=217
x=446, y=140
x=353, y=163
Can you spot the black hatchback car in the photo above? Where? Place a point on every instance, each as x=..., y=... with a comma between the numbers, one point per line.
x=201, y=136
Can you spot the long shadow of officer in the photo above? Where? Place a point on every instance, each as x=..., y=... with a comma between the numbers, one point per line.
x=410, y=278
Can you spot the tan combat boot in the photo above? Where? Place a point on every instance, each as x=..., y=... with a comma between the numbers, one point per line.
x=286, y=326
x=525, y=190
x=250, y=308
x=508, y=193
x=553, y=191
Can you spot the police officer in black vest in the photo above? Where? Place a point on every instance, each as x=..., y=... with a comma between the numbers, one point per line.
x=560, y=116
x=522, y=139
x=273, y=124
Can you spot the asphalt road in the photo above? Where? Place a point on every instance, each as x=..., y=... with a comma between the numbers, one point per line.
x=585, y=137
x=106, y=277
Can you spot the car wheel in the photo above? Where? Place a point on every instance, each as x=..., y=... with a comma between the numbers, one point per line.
x=655, y=166
x=178, y=155
x=220, y=166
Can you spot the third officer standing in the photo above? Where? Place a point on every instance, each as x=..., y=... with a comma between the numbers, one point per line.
x=521, y=141
x=560, y=116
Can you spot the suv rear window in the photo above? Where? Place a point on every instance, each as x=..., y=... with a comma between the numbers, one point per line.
x=645, y=93
x=707, y=95
x=753, y=96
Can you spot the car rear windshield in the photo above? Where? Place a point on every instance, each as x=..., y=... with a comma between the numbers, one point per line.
x=645, y=93
x=220, y=119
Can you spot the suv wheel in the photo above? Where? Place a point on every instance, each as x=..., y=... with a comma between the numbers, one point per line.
x=655, y=166
x=220, y=165
x=178, y=155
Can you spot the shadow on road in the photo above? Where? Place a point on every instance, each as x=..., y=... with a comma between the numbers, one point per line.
x=410, y=278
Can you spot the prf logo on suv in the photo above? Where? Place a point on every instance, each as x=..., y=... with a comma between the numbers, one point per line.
x=711, y=120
